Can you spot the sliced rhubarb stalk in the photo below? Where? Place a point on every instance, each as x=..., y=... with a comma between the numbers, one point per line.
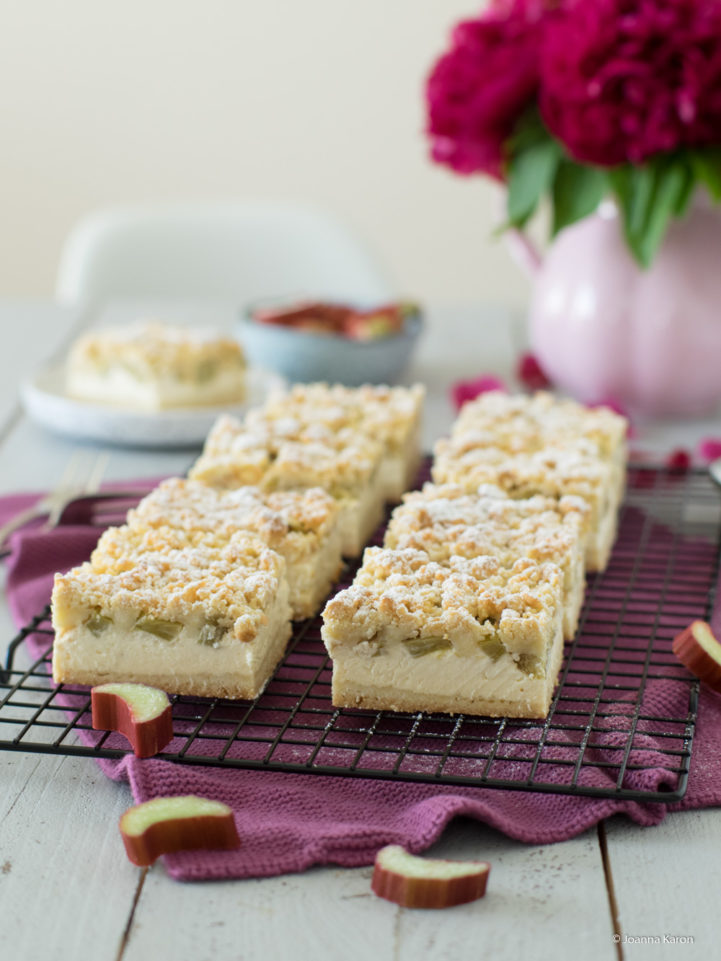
x=314, y=315
x=416, y=882
x=169, y=824
x=700, y=652
x=139, y=712
x=372, y=324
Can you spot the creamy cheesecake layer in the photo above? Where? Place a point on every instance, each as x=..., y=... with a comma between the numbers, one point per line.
x=470, y=636
x=445, y=682
x=445, y=522
x=302, y=525
x=189, y=620
x=155, y=366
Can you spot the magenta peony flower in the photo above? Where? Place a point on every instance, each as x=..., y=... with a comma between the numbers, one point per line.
x=622, y=80
x=477, y=90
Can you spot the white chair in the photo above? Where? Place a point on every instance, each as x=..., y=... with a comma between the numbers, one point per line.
x=236, y=253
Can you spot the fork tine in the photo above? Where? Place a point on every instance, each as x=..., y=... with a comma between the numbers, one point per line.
x=101, y=509
x=69, y=471
x=112, y=512
x=97, y=473
x=45, y=503
x=73, y=487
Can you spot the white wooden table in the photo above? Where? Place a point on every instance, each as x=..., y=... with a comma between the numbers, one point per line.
x=67, y=889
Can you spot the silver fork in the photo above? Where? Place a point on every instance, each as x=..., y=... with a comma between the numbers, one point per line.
x=76, y=480
x=103, y=509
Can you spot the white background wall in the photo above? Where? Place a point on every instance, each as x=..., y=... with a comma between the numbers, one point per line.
x=112, y=101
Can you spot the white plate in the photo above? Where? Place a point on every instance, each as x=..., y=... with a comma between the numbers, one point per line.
x=46, y=402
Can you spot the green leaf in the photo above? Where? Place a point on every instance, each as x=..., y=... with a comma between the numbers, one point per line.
x=621, y=180
x=668, y=190
x=530, y=175
x=642, y=184
x=529, y=130
x=689, y=185
x=648, y=197
x=577, y=191
x=706, y=167
x=534, y=156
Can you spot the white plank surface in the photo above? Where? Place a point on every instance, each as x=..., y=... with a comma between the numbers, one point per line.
x=557, y=891
x=331, y=913
x=65, y=884
x=667, y=885
x=60, y=850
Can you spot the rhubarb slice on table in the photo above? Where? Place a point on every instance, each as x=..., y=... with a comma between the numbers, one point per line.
x=698, y=649
x=414, y=882
x=166, y=825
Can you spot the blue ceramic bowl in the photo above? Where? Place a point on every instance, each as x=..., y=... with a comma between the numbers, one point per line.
x=303, y=356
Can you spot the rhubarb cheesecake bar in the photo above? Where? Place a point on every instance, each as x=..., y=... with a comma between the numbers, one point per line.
x=202, y=620
x=153, y=366
x=445, y=522
x=289, y=455
x=391, y=415
x=551, y=472
x=469, y=636
x=302, y=525
x=520, y=424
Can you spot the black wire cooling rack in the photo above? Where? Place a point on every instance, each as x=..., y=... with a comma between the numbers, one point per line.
x=621, y=723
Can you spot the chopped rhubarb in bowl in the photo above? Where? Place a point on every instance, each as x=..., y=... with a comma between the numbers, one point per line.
x=318, y=340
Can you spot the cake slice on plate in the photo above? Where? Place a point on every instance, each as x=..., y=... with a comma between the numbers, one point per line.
x=155, y=366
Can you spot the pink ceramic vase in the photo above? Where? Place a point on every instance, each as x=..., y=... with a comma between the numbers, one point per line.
x=604, y=329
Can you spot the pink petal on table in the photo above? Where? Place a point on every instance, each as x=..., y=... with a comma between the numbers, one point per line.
x=678, y=459
x=709, y=448
x=618, y=408
x=530, y=373
x=465, y=390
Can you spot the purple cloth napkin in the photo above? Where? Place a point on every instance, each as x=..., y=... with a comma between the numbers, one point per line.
x=289, y=822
